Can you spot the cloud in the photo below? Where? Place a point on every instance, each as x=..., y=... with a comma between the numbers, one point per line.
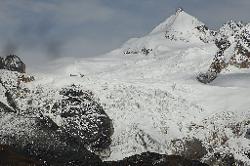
x=62, y=11
x=216, y=12
x=46, y=25
x=37, y=29
x=82, y=11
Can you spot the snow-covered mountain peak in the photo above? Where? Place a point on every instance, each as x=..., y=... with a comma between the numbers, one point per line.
x=180, y=26
x=180, y=21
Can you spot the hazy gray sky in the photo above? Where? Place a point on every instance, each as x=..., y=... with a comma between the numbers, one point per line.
x=52, y=28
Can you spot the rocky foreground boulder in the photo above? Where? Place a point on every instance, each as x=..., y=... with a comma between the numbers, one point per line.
x=10, y=157
x=41, y=139
x=155, y=159
x=84, y=117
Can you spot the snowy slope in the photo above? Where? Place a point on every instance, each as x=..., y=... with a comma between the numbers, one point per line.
x=179, y=27
x=154, y=100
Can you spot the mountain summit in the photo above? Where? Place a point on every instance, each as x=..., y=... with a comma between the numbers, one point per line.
x=180, y=21
x=183, y=26
x=180, y=26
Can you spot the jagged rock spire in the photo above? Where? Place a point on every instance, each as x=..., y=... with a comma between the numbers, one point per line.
x=179, y=10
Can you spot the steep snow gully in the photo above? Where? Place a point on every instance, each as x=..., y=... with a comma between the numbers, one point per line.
x=140, y=100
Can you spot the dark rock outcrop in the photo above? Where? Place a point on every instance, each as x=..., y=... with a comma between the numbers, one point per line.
x=144, y=51
x=190, y=148
x=42, y=140
x=84, y=117
x=18, y=157
x=155, y=159
x=12, y=63
x=206, y=35
x=2, y=66
x=207, y=77
x=8, y=157
x=30, y=124
x=247, y=135
x=221, y=159
x=233, y=42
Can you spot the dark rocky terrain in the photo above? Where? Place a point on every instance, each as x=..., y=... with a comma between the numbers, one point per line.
x=233, y=42
x=10, y=157
x=30, y=127
x=154, y=159
x=13, y=63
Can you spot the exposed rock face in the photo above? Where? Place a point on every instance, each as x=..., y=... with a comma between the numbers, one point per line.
x=154, y=159
x=224, y=160
x=247, y=135
x=191, y=148
x=206, y=35
x=206, y=77
x=52, y=148
x=143, y=51
x=9, y=157
x=13, y=157
x=84, y=117
x=2, y=63
x=52, y=126
x=12, y=63
x=43, y=140
x=233, y=42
